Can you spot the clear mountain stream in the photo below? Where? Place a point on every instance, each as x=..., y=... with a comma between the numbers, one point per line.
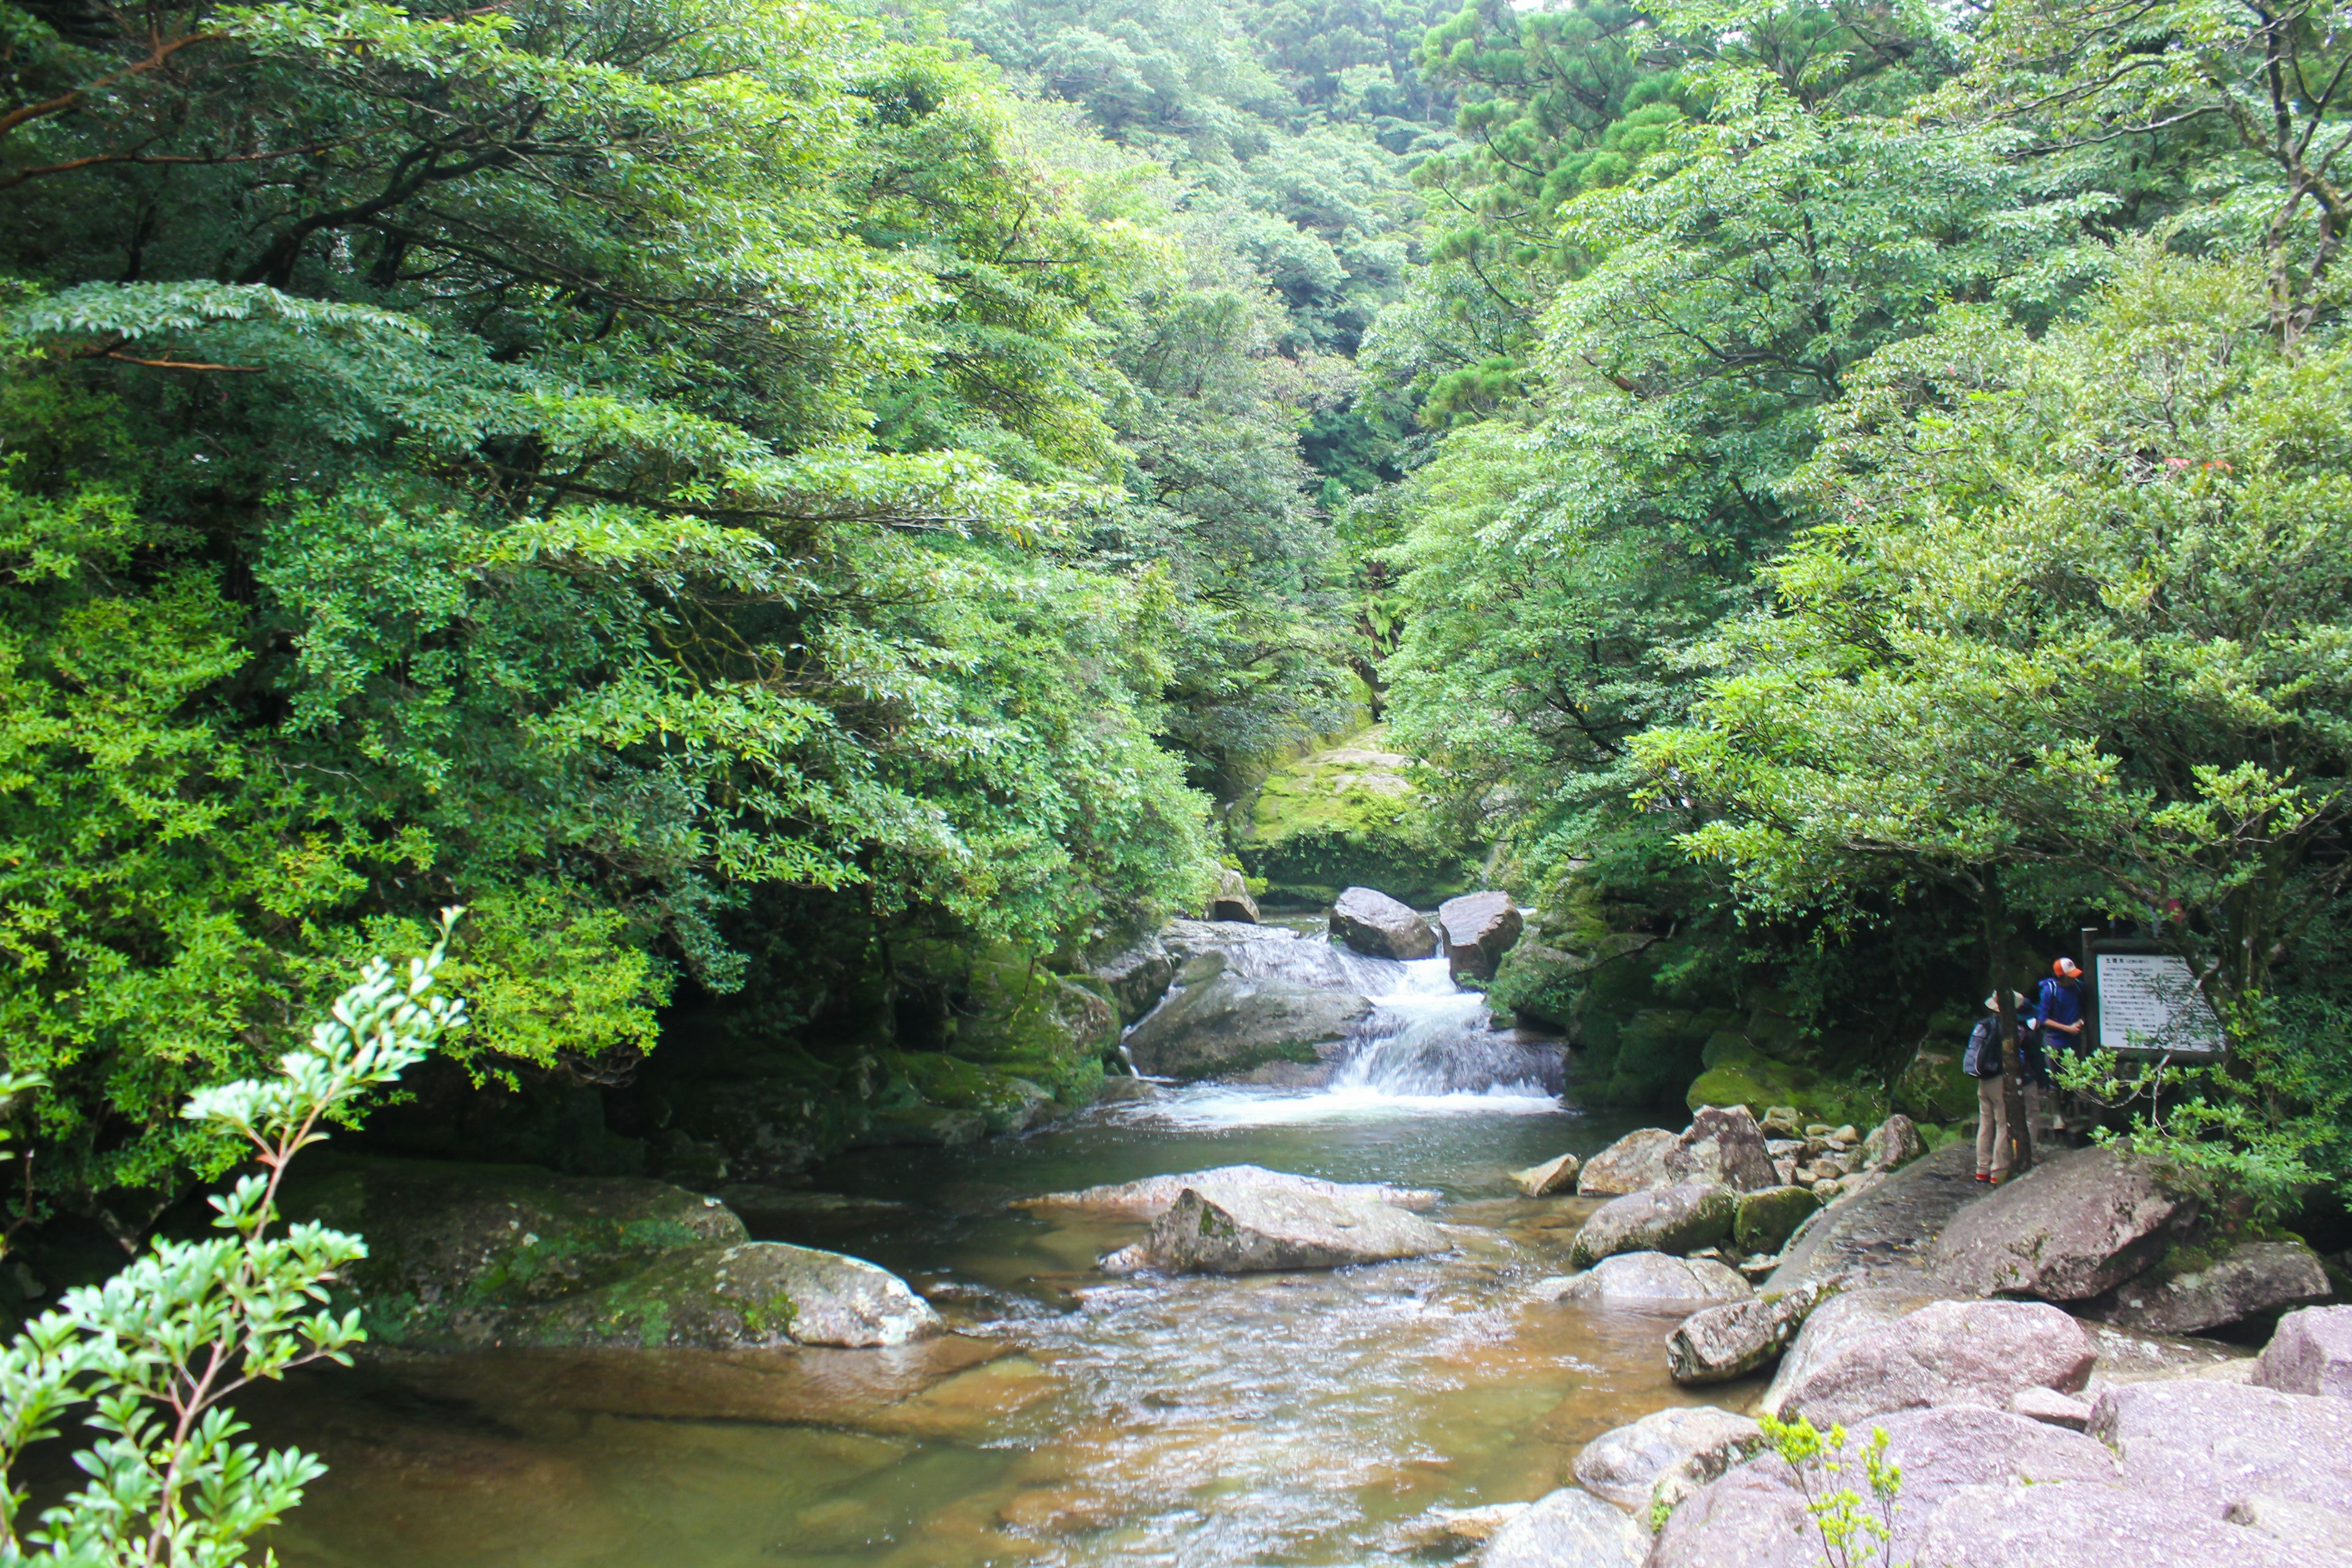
x=1071, y=1418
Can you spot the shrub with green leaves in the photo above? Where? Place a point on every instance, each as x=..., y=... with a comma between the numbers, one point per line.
x=145, y=1360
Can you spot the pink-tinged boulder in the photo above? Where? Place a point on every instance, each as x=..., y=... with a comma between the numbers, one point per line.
x=2252, y=1277
x=2320, y=1534
x=1477, y=928
x=1753, y=1518
x=1625, y=1465
x=2078, y=1524
x=1952, y=1352
x=1259, y=1228
x=1723, y=1144
x=1830, y=1329
x=2310, y=1353
x=1653, y=1281
x=2209, y=1443
x=2051, y=1408
x=1566, y=1529
x=2074, y=1226
x=1893, y=1144
x=1957, y=1446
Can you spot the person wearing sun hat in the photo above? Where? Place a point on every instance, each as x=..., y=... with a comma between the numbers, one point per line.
x=2057, y=1025
x=1982, y=1060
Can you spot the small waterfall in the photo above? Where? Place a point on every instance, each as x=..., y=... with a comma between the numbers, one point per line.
x=1428, y=1036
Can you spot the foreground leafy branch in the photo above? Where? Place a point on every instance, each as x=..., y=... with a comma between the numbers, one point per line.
x=146, y=1360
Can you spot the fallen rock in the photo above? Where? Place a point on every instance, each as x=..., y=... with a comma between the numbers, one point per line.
x=1624, y=1466
x=1557, y=1175
x=1644, y=1279
x=755, y=1295
x=1723, y=1144
x=2311, y=1353
x=1477, y=928
x=1135, y=979
x=2210, y=1442
x=1256, y=1229
x=1734, y=1339
x=1375, y=924
x=2252, y=1277
x=1635, y=1163
x=1669, y=1219
x=2319, y=1535
x=1566, y=1529
x=1232, y=900
x=2051, y=1408
x=2077, y=1226
x=1763, y=1220
x=1894, y=1143
x=1155, y=1195
x=2077, y=1524
x=1233, y=1026
x=1949, y=1352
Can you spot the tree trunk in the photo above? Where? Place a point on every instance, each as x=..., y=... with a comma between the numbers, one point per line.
x=2012, y=1060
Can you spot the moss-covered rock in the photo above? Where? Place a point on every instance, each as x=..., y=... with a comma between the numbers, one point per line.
x=1346, y=816
x=1767, y=1218
x=1539, y=984
x=749, y=1295
x=1934, y=1088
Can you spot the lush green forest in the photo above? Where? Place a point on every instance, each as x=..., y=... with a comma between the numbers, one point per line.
x=805, y=519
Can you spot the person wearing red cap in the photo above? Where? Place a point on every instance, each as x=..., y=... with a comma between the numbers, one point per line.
x=2057, y=1025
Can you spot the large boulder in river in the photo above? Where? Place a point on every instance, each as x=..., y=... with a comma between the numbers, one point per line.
x=1635, y=1163
x=1374, y=924
x=1232, y=1028
x=1949, y=1352
x=2209, y=1442
x=1232, y=900
x=1624, y=1465
x=1668, y=1219
x=2311, y=1353
x=1566, y=1529
x=1137, y=978
x=1477, y=928
x=1258, y=1228
x=1155, y=1195
x=475, y=1255
x=2077, y=1226
x=2189, y=1296
x=1654, y=1280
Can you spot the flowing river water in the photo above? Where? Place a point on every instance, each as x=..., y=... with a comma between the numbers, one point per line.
x=1070, y=1418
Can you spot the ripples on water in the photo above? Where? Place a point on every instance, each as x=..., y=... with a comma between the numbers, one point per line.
x=1071, y=1419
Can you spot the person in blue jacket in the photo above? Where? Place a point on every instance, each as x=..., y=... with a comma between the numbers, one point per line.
x=2057, y=1025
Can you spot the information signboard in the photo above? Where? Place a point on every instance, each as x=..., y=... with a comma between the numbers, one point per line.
x=2148, y=1003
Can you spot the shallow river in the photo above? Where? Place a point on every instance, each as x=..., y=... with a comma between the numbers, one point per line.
x=1071, y=1418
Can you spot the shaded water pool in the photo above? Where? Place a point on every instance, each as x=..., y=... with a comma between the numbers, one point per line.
x=1070, y=1418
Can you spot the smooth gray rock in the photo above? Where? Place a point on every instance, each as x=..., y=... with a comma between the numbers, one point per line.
x=1883, y=1235
x=1635, y=1163
x=2322, y=1535
x=1723, y=1144
x=1204, y=948
x=1373, y=923
x=2077, y=1226
x=1557, y=1175
x=1256, y=1229
x=1232, y=1028
x=2252, y=1277
x=1625, y=1465
x=1155, y=1195
x=2077, y=1524
x=1652, y=1279
x=1731, y=1341
x=2211, y=1442
x=1477, y=928
x=1669, y=1219
x=2311, y=1353
x=1949, y=1352
x=1232, y=900
x=1894, y=1143
x=1566, y=1529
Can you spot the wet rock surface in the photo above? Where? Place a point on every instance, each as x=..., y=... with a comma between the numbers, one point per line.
x=1884, y=1236
x=2077, y=1226
x=1654, y=1280
x=1235, y=1028
x=1259, y=1228
x=1377, y=926
x=1477, y=930
x=1155, y=1195
x=1554, y=1176
x=1137, y=978
x=1669, y=1219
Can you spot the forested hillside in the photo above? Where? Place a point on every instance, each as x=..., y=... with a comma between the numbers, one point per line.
x=804, y=520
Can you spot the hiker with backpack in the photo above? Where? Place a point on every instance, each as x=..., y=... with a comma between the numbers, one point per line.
x=2056, y=1026
x=1983, y=1060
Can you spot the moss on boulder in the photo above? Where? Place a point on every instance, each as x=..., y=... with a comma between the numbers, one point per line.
x=1345, y=815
